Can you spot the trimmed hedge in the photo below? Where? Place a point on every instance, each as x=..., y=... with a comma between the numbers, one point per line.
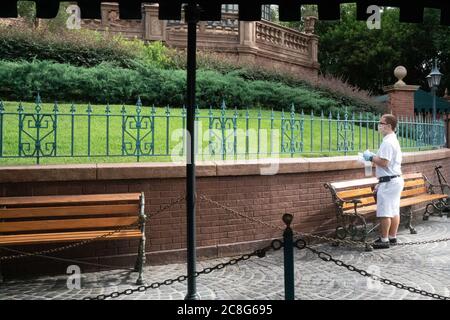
x=109, y=83
x=135, y=60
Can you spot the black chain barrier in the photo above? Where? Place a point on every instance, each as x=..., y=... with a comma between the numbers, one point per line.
x=261, y=253
x=422, y=242
x=309, y=235
x=277, y=245
x=301, y=244
x=108, y=266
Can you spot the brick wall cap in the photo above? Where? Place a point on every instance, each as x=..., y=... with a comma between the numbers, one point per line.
x=59, y=172
x=391, y=88
x=163, y=170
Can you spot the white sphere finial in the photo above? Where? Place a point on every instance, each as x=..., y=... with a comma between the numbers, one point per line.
x=400, y=73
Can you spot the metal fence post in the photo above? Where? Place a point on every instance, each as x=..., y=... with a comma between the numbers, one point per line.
x=55, y=127
x=288, y=246
x=89, y=115
x=108, y=115
x=2, y=110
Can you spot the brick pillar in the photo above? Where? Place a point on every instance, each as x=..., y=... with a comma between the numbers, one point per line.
x=446, y=96
x=401, y=95
x=401, y=100
x=448, y=131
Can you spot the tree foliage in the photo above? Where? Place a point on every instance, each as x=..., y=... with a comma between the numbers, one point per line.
x=367, y=58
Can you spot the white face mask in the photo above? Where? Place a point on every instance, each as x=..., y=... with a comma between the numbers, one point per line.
x=382, y=127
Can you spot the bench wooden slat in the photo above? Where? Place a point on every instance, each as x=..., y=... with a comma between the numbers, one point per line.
x=370, y=181
x=420, y=199
x=414, y=183
x=364, y=202
x=354, y=183
x=413, y=192
x=67, y=237
x=75, y=199
x=39, y=212
x=70, y=224
x=349, y=194
x=407, y=202
x=410, y=176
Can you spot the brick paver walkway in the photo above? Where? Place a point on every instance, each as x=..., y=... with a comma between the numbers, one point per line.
x=426, y=267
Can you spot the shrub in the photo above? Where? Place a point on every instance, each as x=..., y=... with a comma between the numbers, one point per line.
x=75, y=47
x=106, y=82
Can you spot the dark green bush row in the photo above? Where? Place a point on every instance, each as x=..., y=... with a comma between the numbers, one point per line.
x=85, y=48
x=109, y=83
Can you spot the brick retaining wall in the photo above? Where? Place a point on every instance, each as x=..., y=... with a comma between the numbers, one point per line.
x=297, y=189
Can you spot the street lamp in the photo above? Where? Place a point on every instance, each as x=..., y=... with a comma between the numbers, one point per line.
x=434, y=79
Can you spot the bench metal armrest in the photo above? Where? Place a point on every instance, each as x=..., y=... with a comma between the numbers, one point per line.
x=355, y=203
x=431, y=187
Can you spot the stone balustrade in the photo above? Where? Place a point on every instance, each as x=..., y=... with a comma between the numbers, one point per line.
x=262, y=43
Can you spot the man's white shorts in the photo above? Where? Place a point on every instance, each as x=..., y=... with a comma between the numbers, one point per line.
x=388, y=198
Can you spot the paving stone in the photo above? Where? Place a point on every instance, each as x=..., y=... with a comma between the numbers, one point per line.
x=425, y=267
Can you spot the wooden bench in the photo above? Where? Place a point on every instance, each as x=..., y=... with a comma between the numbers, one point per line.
x=355, y=202
x=73, y=218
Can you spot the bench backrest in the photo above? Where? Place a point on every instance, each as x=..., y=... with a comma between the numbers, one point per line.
x=362, y=189
x=47, y=214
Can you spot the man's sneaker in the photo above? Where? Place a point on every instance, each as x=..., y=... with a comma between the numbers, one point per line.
x=393, y=241
x=378, y=244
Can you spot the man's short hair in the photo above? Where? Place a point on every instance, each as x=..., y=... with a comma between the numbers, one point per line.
x=391, y=119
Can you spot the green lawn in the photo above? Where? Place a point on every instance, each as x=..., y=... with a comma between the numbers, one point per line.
x=316, y=138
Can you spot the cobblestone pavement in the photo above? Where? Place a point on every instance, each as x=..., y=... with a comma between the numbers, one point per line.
x=425, y=267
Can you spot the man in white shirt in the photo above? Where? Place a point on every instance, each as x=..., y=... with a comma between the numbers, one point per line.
x=388, y=171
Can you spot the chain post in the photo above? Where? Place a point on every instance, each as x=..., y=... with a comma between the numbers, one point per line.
x=288, y=247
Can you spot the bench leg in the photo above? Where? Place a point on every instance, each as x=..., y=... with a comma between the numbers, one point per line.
x=1, y=274
x=409, y=225
x=140, y=261
x=139, y=266
x=434, y=209
x=358, y=228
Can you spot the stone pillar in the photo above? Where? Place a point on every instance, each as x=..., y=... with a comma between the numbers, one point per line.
x=313, y=43
x=446, y=96
x=154, y=29
x=313, y=48
x=401, y=95
x=110, y=12
x=247, y=34
x=310, y=24
x=247, y=49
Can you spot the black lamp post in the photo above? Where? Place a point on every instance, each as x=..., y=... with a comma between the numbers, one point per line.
x=434, y=79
